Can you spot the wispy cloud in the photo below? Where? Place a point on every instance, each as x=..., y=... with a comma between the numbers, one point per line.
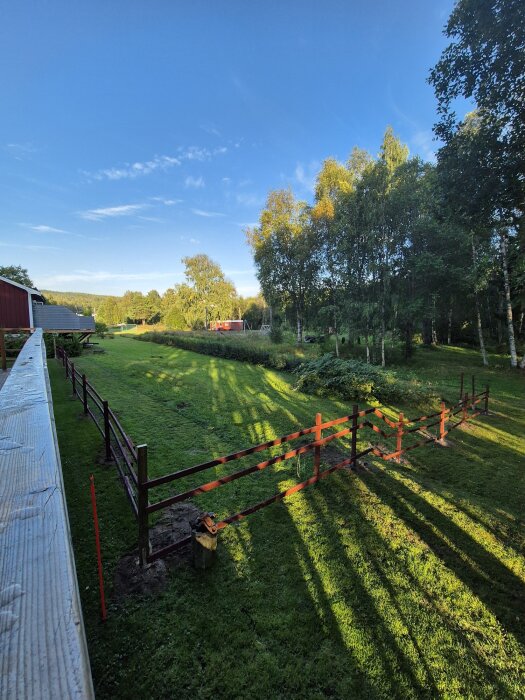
x=209, y=214
x=210, y=129
x=167, y=202
x=423, y=142
x=105, y=276
x=28, y=247
x=305, y=176
x=194, y=182
x=21, y=151
x=109, y=212
x=247, y=199
x=131, y=170
x=43, y=228
x=190, y=239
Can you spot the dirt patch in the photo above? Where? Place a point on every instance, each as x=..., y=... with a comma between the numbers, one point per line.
x=174, y=525
x=182, y=404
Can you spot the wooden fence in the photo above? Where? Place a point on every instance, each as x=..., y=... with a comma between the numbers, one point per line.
x=133, y=466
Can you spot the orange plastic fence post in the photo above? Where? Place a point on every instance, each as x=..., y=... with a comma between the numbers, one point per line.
x=442, y=423
x=103, y=614
x=317, y=450
x=399, y=438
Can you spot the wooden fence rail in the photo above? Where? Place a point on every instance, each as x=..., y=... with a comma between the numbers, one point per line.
x=132, y=462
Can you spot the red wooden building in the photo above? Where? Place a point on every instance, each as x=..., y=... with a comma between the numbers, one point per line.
x=23, y=308
x=230, y=325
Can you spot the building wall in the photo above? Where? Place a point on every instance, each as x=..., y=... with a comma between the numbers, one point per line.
x=14, y=306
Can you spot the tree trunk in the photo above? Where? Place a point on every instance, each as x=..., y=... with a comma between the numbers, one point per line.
x=383, y=363
x=434, y=332
x=508, y=304
x=299, y=328
x=478, y=312
x=336, y=338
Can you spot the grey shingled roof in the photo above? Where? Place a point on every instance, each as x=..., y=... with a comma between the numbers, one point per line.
x=60, y=318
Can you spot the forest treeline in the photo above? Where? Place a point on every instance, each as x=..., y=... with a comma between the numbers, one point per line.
x=393, y=247
x=205, y=295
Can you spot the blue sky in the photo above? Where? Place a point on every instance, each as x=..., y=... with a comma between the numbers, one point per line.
x=134, y=133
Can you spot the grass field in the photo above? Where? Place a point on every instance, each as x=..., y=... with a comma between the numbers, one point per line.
x=405, y=581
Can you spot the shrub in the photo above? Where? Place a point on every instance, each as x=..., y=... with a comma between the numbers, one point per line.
x=71, y=345
x=100, y=329
x=232, y=350
x=355, y=380
x=276, y=334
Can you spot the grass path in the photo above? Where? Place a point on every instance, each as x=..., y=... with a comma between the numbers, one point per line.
x=402, y=582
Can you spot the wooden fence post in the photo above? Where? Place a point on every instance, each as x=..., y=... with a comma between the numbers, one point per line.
x=66, y=365
x=464, y=408
x=353, y=454
x=55, y=347
x=473, y=392
x=486, y=399
x=442, y=424
x=462, y=376
x=107, y=432
x=317, y=450
x=142, y=477
x=73, y=379
x=399, y=438
x=84, y=394
x=2, y=351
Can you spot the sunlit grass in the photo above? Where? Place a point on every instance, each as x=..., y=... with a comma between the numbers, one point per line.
x=402, y=581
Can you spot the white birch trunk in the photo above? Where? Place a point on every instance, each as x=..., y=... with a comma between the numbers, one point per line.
x=508, y=303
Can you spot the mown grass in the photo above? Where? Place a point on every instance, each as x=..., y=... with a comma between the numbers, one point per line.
x=401, y=581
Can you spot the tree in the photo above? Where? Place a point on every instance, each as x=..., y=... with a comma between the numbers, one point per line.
x=17, y=273
x=286, y=254
x=486, y=62
x=206, y=294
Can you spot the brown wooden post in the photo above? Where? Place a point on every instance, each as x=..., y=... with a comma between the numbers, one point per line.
x=142, y=477
x=73, y=379
x=486, y=399
x=66, y=364
x=2, y=351
x=55, y=346
x=84, y=394
x=353, y=454
x=317, y=450
x=465, y=408
x=399, y=438
x=473, y=392
x=107, y=432
x=442, y=423
x=462, y=376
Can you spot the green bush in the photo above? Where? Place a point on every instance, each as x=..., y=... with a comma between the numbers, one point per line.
x=71, y=345
x=100, y=329
x=232, y=350
x=276, y=334
x=356, y=380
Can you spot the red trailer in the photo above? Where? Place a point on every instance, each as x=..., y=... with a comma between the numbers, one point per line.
x=230, y=325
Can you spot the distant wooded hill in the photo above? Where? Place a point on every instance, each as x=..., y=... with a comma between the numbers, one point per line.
x=80, y=302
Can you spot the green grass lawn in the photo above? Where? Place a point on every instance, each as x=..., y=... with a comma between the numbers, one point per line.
x=405, y=581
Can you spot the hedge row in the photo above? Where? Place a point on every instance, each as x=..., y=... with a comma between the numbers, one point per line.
x=223, y=348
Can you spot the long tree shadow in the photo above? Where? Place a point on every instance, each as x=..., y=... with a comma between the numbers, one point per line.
x=496, y=586
x=345, y=497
